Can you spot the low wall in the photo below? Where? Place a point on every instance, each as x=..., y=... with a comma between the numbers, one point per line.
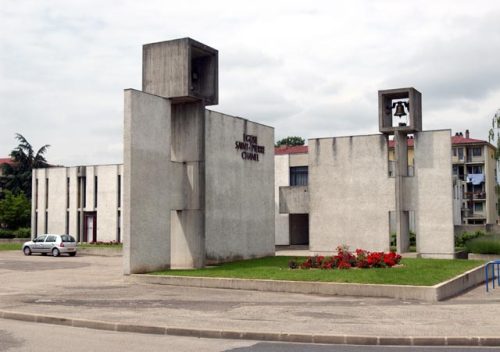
x=434, y=293
x=493, y=228
x=14, y=240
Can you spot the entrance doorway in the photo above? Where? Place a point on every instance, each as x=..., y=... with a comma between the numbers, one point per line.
x=90, y=227
x=299, y=229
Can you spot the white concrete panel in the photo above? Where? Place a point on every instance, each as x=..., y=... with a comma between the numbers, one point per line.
x=107, y=202
x=146, y=205
x=281, y=178
x=434, y=213
x=350, y=193
x=56, y=199
x=239, y=201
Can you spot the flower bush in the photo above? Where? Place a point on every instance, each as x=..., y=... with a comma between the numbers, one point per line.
x=346, y=260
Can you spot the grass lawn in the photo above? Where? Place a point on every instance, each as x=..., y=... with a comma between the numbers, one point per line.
x=419, y=272
x=10, y=246
x=101, y=245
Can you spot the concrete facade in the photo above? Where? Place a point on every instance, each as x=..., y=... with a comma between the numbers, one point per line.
x=359, y=191
x=199, y=184
x=83, y=201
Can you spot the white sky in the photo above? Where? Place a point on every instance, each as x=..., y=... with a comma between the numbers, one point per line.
x=308, y=68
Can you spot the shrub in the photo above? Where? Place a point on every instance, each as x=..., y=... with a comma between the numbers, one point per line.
x=6, y=233
x=461, y=239
x=346, y=260
x=23, y=232
x=412, y=235
x=486, y=244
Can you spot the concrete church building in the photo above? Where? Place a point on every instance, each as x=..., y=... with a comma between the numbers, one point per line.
x=198, y=184
x=350, y=190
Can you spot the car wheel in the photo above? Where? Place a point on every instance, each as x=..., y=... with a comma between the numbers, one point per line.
x=27, y=251
x=72, y=254
x=55, y=252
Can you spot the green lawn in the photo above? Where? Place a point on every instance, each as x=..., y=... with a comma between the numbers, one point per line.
x=420, y=272
x=10, y=246
x=118, y=246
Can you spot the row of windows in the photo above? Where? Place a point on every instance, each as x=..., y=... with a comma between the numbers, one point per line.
x=474, y=151
x=81, y=192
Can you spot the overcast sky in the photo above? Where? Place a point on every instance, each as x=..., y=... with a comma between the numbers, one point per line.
x=308, y=68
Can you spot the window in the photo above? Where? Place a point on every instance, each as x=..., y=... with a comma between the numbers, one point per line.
x=39, y=239
x=46, y=222
x=475, y=169
x=50, y=239
x=67, y=238
x=298, y=176
x=476, y=151
x=478, y=207
x=82, y=190
x=460, y=153
x=95, y=192
x=67, y=222
x=46, y=193
x=67, y=192
x=454, y=151
x=36, y=194
x=119, y=191
x=118, y=227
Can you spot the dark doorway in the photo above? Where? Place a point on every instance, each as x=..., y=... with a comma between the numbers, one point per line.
x=299, y=229
x=89, y=227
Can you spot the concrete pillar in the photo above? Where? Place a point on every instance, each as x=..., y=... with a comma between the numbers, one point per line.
x=401, y=171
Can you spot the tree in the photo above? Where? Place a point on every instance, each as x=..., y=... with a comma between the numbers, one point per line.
x=15, y=210
x=17, y=176
x=494, y=137
x=290, y=141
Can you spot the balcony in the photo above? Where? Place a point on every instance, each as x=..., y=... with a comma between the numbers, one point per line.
x=475, y=195
x=294, y=200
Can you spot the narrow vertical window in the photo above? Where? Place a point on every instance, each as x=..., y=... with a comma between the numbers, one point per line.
x=67, y=193
x=36, y=224
x=95, y=192
x=36, y=194
x=46, y=222
x=67, y=223
x=46, y=193
x=78, y=225
x=118, y=226
x=84, y=192
x=119, y=191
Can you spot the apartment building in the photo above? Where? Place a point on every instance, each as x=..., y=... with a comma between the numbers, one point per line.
x=83, y=201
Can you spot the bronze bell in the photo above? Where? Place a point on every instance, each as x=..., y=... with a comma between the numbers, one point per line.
x=400, y=108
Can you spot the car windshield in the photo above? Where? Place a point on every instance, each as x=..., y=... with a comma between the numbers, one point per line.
x=67, y=238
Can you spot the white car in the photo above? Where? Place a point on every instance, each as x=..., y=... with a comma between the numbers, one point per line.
x=50, y=243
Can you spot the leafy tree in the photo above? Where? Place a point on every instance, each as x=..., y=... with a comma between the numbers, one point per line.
x=15, y=210
x=17, y=176
x=290, y=141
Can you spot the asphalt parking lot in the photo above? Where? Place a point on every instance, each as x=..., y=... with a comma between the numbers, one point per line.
x=93, y=287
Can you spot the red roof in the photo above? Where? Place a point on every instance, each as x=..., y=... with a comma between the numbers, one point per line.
x=285, y=149
x=454, y=140
x=463, y=140
x=6, y=161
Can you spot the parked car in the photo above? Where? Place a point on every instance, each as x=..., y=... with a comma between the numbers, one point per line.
x=50, y=243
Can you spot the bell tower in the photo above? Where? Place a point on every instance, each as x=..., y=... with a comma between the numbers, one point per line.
x=400, y=114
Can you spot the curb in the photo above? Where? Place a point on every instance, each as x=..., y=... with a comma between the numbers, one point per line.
x=438, y=292
x=252, y=335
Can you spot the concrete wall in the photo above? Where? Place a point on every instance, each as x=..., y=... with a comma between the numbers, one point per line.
x=350, y=193
x=294, y=200
x=239, y=206
x=146, y=204
x=281, y=178
x=432, y=194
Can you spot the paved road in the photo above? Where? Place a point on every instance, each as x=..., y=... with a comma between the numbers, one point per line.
x=91, y=287
x=21, y=336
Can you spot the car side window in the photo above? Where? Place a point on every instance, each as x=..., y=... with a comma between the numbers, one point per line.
x=40, y=239
x=50, y=239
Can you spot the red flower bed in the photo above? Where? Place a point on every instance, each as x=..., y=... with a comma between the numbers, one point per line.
x=346, y=260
